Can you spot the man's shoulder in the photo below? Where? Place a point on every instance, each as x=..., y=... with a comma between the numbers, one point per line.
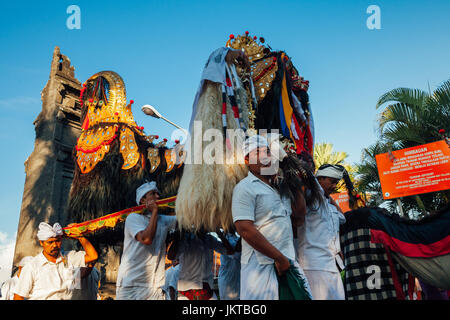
x=36, y=260
x=134, y=218
x=243, y=184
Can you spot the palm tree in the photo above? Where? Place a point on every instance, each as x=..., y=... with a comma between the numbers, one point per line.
x=366, y=174
x=413, y=117
x=323, y=153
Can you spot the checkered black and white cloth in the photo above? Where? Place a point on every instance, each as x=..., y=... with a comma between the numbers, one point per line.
x=367, y=272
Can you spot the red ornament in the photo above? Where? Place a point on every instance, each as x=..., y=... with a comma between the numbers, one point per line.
x=177, y=141
x=231, y=36
x=116, y=113
x=246, y=32
x=91, y=100
x=156, y=137
x=261, y=39
x=142, y=128
x=131, y=101
x=441, y=131
x=255, y=37
x=165, y=140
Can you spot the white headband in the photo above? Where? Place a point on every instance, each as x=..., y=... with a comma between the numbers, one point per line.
x=330, y=172
x=46, y=231
x=254, y=142
x=143, y=189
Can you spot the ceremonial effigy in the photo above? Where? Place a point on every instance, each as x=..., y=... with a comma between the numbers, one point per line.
x=113, y=157
x=266, y=93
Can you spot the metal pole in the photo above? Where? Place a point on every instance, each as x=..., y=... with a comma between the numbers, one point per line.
x=399, y=203
x=184, y=130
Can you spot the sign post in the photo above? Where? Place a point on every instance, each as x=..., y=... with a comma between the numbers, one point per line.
x=416, y=170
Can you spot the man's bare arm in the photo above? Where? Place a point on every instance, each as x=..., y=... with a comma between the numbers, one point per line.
x=254, y=238
x=91, y=254
x=146, y=236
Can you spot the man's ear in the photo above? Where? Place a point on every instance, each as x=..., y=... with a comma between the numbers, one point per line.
x=246, y=160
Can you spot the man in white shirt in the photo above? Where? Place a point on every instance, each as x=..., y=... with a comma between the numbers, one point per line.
x=318, y=239
x=229, y=279
x=263, y=219
x=195, y=253
x=52, y=274
x=171, y=284
x=141, y=273
x=7, y=289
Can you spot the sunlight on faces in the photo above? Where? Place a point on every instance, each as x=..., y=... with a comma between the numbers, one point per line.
x=52, y=246
x=328, y=184
x=260, y=160
x=152, y=195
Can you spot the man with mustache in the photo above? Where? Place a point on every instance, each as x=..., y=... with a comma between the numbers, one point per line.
x=263, y=219
x=52, y=274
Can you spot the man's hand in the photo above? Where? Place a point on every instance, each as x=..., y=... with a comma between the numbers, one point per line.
x=282, y=265
x=254, y=238
x=151, y=205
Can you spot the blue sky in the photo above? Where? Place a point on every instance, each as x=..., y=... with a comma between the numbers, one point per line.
x=160, y=48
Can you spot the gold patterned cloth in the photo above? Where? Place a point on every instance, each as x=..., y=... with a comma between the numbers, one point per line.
x=105, y=122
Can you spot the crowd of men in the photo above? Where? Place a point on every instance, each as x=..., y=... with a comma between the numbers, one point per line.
x=276, y=242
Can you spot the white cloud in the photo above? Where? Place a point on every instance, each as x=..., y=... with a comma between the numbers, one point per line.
x=3, y=236
x=7, y=246
x=16, y=102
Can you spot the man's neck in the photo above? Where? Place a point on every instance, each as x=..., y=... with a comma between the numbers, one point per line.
x=50, y=258
x=264, y=178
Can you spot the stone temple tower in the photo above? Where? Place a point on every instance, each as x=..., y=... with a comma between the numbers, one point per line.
x=49, y=168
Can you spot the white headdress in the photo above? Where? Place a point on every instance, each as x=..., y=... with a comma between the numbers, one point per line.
x=143, y=189
x=46, y=231
x=331, y=172
x=254, y=142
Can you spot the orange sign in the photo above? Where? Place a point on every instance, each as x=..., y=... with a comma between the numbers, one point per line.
x=416, y=170
x=342, y=200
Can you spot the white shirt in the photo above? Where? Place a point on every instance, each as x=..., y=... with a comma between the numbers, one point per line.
x=318, y=237
x=196, y=261
x=230, y=272
x=41, y=279
x=8, y=288
x=171, y=278
x=257, y=201
x=144, y=265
